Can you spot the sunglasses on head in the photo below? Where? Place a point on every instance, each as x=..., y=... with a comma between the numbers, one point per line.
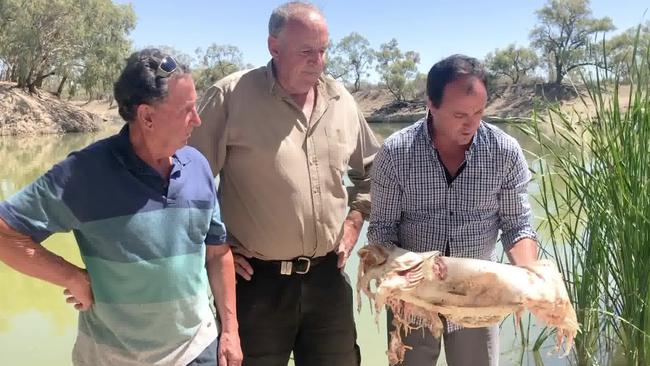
x=166, y=67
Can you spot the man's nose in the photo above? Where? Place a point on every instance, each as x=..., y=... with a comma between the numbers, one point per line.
x=317, y=58
x=473, y=120
x=196, y=119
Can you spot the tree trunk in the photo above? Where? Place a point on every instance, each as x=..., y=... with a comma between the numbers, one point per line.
x=24, y=81
x=59, y=90
x=38, y=81
x=12, y=74
x=559, y=75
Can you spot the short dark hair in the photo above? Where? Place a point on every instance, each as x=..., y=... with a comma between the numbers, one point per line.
x=450, y=69
x=287, y=11
x=139, y=84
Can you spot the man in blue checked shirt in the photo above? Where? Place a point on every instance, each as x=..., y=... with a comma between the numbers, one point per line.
x=450, y=182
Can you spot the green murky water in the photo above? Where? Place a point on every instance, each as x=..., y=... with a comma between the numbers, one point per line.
x=37, y=327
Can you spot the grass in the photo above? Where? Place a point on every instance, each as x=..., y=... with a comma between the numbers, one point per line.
x=594, y=175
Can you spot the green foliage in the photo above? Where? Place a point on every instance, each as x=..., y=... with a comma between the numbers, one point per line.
x=350, y=59
x=216, y=62
x=81, y=42
x=512, y=62
x=564, y=32
x=619, y=49
x=397, y=70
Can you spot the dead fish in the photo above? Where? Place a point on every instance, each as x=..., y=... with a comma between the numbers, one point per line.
x=418, y=287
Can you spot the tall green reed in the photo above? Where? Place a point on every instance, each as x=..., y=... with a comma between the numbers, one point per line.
x=595, y=191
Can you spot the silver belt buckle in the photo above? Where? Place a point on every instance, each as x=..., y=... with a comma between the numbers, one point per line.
x=285, y=267
x=308, y=261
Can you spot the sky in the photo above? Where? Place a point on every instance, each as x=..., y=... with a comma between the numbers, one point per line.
x=433, y=28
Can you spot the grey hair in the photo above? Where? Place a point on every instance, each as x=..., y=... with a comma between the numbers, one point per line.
x=291, y=10
x=139, y=84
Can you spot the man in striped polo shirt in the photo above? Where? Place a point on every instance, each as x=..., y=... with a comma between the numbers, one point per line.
x=143, y=210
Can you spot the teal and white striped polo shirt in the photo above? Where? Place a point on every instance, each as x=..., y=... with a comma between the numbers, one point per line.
x=142, y=239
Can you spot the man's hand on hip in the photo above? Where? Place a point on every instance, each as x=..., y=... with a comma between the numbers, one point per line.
x=79, y=292
x=242, y=266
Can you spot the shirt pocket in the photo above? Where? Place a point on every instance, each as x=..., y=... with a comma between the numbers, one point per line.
x=199, y=217
x=337, y=147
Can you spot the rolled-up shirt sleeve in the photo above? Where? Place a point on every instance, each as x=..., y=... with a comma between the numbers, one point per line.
x=217, y=230
x=210, y=137
x=40, y=210
x=360, y=163
x=514, y=208
x=386, y=195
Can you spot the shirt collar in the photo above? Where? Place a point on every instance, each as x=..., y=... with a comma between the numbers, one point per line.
x=125, y=154
x=324, y=88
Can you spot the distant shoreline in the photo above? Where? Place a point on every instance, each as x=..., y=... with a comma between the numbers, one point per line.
x=22, y=114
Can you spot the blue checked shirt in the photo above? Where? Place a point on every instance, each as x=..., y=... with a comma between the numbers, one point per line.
x=415, y=208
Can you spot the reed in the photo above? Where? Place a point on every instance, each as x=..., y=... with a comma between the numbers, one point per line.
x=594, y=174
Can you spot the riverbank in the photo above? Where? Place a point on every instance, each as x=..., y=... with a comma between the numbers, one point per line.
x=24, y=114
x=507, y=103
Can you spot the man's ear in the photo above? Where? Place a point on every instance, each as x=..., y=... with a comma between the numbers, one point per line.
x=430, y=108
x=144, y=114
x=273, y=44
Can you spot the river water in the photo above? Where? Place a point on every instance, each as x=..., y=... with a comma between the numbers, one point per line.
x=37, y=327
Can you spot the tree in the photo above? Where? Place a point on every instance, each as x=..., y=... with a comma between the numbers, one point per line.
x=84, y=41
x=396, y=69
x=512, y=62
x=563, y=34
x=105, y=49
x=7, y=14
x=620, y=48
x=216, y=62
x=350, y=59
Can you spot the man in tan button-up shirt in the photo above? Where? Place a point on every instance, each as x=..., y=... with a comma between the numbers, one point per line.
x=281, y=138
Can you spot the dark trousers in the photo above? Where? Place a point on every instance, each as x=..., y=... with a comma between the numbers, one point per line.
x=208, y=357
x=309, y=314
x=464, y=347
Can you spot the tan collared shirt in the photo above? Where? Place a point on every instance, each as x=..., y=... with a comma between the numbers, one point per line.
x=281, y=174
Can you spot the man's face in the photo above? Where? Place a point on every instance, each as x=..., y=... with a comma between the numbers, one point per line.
x=175, y=117
x=461, y=109
x=299, y=52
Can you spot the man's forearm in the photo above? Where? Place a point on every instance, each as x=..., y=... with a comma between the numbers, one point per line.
x=221, y=274
x=21, y=253
x=352, y=228
x=523, y=252
x=354, y=219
